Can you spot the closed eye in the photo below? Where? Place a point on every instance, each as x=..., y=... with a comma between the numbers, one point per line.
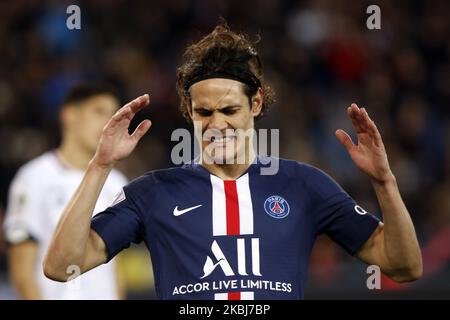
x=229, y=110
x=203, y=112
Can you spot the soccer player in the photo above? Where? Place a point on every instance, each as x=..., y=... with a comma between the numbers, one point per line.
x=42, y=188
x=219, y=229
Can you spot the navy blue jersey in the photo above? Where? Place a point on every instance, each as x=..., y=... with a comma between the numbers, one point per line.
x=249, y=238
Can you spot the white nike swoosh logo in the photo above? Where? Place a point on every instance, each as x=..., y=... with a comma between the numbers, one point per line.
x=177, y=212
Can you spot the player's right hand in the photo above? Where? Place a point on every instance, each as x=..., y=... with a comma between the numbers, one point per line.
x=116, y=143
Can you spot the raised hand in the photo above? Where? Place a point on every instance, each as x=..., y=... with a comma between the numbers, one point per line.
x=369, y=153
x=116, y=143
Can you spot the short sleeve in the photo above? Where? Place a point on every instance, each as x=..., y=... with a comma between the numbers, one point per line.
x=336, y=214
x=119, y=225
x=23, y=220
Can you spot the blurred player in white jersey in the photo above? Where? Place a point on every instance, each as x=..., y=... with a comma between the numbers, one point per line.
x=42, y=188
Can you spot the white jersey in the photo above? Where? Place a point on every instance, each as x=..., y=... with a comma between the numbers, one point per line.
x=37, y=197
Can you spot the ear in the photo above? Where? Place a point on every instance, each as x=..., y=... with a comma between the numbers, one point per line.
x=257, y=102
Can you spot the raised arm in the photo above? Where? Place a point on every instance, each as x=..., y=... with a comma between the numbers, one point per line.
x=393, y=246
x=74, y=243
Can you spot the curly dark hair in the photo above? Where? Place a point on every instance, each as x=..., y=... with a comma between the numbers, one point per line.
x=228, y=55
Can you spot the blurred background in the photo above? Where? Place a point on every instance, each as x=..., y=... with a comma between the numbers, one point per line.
x=319, y=56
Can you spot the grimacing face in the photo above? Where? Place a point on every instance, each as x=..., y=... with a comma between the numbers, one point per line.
x=221, y=107
x=89, y=117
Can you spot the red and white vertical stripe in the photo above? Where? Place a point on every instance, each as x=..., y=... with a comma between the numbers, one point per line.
x=232, y=216
x=244, y=295
x=232, y=207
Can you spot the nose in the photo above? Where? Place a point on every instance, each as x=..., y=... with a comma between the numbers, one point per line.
x=217, y=121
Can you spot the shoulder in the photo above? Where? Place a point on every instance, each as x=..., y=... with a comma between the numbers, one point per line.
x=33, y=170
x=313, y=178
x=156, y=179
x=295, y=168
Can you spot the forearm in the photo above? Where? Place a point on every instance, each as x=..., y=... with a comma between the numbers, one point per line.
x=22, y=261
x=69, y=245
x=401, y=248
x=120, y=280
x=26, y=287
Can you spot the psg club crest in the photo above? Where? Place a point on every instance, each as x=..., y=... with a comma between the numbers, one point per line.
x=276, y=207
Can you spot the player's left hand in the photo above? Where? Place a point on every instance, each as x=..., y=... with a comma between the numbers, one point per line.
x=369, y=153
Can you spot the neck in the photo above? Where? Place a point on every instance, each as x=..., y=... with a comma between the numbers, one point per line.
x=229, y=171
x=74, y=155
